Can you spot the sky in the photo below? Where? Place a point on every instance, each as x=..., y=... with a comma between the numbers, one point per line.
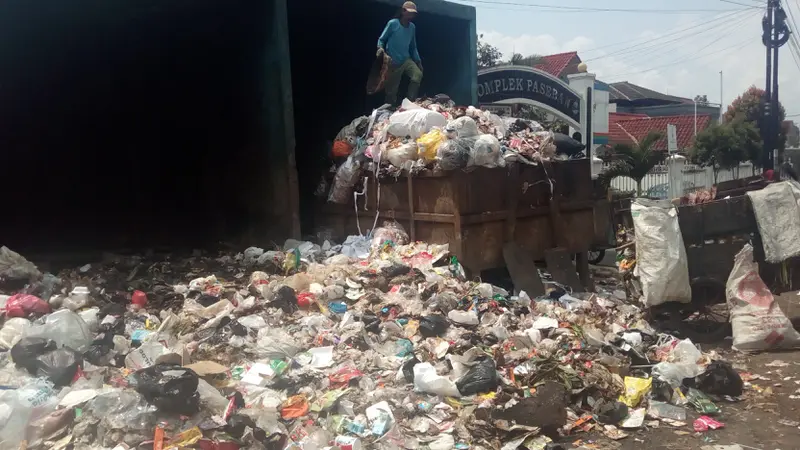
x=677, y=47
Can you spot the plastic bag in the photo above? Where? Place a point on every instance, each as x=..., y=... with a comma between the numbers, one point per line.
x=414, y=122
x=170, y=388
x=426, y=380
x=403, y=154
x=19, y=407
x=59, y=366
x=758, y=322
x=720, y=378
x=486, y=152
x=463, y=127
x=21, y=305
x=390, y=231
x=681, y=363
x=455, y=153
x=482, y=377
x=25, y=352
x=661, y=257
x=12, y=332
x=14, y=266
x=429, y=143
x=433, y=325
x=346, y=177
x=64, y=327
x=565, y=144
x=635, y=390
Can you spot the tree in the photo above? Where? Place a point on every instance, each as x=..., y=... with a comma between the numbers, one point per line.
x=749, y=107
x=518, y=60
x=701, y=100
x=488, y=55
x=725, y=146
x=634, y=161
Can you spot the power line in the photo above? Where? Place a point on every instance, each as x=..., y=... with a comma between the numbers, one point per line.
x=794, y=48
x=639, y=48
x=737, y=3
x=693, y=56
x=562, y=8
x=701, y=23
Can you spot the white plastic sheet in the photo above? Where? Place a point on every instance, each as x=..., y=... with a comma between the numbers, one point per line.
x=758, y=322
x=661, y=257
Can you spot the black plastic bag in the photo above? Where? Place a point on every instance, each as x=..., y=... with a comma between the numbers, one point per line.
x=611, y=412
x=371, y=322
x=285, y=299
x=25, y=352
x=408, y=369
x=59, y=366
x=99, y=350
x=565, y=144
x=433, y=325
x=720, y=378
x=170, y=387
x=207, y=300
x=482, y=377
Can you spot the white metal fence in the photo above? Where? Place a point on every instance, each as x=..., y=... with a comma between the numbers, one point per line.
x=656, y=182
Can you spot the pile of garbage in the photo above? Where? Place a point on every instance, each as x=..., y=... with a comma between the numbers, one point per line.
x=375, y=343
x=435, y=134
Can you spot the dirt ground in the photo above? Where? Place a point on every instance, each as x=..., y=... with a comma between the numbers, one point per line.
x=760, y=421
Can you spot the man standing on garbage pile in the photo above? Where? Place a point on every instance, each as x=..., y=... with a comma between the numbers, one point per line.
x=399, y=42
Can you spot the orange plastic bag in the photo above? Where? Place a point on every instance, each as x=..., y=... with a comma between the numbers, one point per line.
x=341, y=149
x=294, y=407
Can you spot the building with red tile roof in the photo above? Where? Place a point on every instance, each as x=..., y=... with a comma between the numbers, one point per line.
x=560, y=64
x=622, y=128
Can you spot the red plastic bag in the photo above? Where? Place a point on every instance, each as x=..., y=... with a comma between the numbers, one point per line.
x=20, y=305
x=704, y=423
x=342, y=377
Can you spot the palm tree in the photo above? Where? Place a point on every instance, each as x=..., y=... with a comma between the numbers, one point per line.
x=634, y=161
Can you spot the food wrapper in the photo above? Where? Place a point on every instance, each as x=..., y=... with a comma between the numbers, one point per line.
x=185, y=439
x=701, y=402
x=705, y=423
x=635, y=390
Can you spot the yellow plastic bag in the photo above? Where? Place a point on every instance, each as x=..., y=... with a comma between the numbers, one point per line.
x=635, y=390
x=429, y=143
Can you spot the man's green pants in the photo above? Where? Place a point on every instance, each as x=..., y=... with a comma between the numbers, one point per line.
x=396, y=73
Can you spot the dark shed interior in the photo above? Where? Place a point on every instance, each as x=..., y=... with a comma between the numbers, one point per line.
x=149, y=123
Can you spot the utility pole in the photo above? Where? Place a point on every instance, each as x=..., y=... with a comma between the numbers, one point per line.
x=720, y=98
x=775, y=34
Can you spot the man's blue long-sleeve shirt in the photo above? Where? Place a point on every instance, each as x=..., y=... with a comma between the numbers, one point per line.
x=399, y=42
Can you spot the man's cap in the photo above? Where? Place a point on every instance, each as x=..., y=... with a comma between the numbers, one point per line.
x=410, y=7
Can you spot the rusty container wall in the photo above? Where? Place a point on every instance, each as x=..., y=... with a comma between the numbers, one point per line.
x=477, y=212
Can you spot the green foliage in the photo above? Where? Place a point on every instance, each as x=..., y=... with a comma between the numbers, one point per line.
x=488, y=55
x=701, y=100
x=749, y=107
x=634, y=161
x=518, y=60
x=726, y=146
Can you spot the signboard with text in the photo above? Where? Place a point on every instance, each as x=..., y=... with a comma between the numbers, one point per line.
x=672, y=138
x=507, y=83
